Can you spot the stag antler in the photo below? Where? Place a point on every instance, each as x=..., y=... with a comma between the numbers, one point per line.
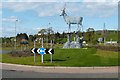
x=64, y=6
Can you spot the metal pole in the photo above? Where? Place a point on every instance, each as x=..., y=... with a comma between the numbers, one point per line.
x=15, y=33
x=34, y=43
x=51, y=57
x=34, y=53
x=47, y=39
x=39, y=40
x=15, y=36
x=42, y=42
x=42, y=55
x=51, y=44
x=34, y=57
x=42, y=58
x=104, y=33
x=51, y=54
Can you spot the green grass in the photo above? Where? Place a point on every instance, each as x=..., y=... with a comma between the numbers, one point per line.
x=112, y=36
x=9, y=48
x=69, y=57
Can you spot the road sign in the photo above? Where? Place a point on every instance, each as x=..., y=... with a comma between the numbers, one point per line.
x=34, y=50
x=49, y=51
x=100, y=39
x=41, y=51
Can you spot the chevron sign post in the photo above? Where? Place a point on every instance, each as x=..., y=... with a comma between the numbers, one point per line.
x=42, y=51
x=34, y=51
x=50, y=51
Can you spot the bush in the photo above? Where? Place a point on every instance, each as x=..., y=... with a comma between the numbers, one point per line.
x=24, y=53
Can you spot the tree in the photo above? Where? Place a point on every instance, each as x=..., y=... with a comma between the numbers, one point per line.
x=49, y=33
x=57, y=37
x=25, y=36
x=63, y=35
x=49, y=30
x=90, y=34
x=90, y=30
x=31, y=38
x=42, y=31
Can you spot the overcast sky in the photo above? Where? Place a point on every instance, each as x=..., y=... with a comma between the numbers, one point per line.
x=34, y=15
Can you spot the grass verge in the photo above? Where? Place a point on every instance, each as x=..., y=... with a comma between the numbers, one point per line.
x=69, y=57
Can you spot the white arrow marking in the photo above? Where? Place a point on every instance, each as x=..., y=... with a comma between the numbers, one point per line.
x=50, y=51
x=38, y=50
x=33, y=50
x=42, y=51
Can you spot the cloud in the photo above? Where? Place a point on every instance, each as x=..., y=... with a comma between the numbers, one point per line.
x=40, y=0
x=0, y=5
x=20, y=6
x=92, y=9
x=84, y=8
x=101, y=1
x=7, y=31
x=50, y=10
x=60, y=0
x=10, y=19
x=94, y=0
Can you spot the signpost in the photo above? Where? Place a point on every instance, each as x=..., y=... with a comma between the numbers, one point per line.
x=100, y=40
x=42, y=51
x=34, y=51
x=50, y=51
x=51, y=58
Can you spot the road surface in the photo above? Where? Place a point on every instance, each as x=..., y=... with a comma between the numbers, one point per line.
x=29, y=74
x=25, y=71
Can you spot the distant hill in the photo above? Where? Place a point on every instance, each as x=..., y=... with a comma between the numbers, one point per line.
x=110, y=34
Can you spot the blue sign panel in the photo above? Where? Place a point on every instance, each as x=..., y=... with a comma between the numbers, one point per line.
x=42, y=51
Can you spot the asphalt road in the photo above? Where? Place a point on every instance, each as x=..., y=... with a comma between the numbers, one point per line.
x=28, y=74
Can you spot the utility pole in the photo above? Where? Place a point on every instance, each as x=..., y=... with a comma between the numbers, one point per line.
x=104, y=33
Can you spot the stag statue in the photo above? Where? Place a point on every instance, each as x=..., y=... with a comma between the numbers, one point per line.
x=72, y=20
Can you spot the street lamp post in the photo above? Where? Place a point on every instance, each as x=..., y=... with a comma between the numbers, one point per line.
x=15, y=33
x=47, y=36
